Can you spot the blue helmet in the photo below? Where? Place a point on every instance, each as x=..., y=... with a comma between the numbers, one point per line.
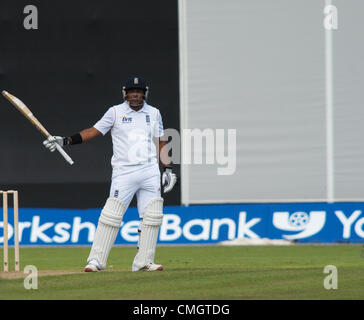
x=135, y=83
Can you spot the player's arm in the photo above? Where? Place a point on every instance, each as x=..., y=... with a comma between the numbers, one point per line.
x=84, y=136
x=100, y=128
x=81, y=137
x=163, y=154
x=169, y=179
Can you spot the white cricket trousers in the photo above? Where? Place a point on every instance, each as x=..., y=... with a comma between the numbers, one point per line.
x=145, y=183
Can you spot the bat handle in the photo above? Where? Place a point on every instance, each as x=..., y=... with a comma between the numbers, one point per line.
x=64, y=154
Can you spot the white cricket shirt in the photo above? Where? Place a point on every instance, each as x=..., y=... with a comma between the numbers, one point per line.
x=132, y=135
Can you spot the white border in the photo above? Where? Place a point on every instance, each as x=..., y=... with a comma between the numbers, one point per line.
x=183, y=89
x=267, y=201
x=330, y=178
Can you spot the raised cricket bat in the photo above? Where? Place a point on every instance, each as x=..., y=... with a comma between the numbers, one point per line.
x=17, y=103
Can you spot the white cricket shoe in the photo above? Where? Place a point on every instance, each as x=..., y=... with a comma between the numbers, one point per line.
x=149, y=267
x=153, y=267
x=92, y=266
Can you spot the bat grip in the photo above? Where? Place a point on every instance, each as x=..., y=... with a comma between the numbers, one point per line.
x=64, y=154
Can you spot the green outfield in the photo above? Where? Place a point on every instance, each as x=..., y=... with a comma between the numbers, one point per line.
x=203, y=272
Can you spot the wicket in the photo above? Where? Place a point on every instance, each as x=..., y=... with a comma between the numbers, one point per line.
x=16, y=228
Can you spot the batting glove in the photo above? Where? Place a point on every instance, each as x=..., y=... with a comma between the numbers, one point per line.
x=169, y=179
x=50, y=142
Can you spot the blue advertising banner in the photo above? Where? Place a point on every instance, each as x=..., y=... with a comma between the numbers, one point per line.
x=200, y=224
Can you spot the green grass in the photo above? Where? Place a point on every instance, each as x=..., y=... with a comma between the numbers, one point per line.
x=206, y=272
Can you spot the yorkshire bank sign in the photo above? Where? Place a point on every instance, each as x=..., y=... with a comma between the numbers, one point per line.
x=200, y=224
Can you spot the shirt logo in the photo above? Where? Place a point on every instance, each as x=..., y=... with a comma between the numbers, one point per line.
x=147, y=118
x=126, y=119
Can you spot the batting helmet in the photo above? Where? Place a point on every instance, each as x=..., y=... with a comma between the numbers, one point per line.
x=135, y=83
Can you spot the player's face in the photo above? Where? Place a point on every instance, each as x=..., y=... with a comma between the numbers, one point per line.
x=135, y=97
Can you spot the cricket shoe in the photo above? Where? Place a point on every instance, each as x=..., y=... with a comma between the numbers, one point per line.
x=92, y=266
x=149, y=267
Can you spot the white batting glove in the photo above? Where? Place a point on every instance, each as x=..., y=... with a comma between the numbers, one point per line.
x=50, y=142
x=169, y=179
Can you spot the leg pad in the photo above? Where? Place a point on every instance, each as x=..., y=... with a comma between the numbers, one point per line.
x=153, y=215
x=107, y=229
x=113, y=212
x=152, y=221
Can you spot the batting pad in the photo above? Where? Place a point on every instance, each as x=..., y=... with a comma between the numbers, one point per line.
x=113, y=212
x=107, y=229
x=152, y=221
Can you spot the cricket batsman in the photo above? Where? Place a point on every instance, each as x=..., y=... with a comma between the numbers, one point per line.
x=136, y=131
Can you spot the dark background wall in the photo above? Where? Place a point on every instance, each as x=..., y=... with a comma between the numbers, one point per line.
x=69, y=72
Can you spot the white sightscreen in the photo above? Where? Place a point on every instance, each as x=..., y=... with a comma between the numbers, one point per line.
x=258, y=67
x=348, y=70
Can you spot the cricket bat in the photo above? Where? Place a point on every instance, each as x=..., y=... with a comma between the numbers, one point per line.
x=17, y=103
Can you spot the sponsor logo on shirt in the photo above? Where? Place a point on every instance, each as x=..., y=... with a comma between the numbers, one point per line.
x=126, y=119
